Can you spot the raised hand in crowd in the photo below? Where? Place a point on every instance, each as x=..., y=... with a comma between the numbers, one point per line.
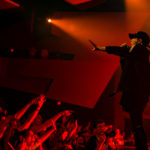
x=39, y=101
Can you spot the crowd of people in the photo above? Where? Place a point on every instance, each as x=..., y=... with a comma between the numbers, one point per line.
x=60, y=132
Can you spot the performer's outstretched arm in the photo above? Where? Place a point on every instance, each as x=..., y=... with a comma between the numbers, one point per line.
x=122, y=50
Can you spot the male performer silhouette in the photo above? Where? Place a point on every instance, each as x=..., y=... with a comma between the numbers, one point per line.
x=134, y=82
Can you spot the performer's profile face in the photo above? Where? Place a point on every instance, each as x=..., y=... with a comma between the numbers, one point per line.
x=134, y=41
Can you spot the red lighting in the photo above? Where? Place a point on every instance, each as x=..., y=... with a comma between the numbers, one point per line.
x=13, y=3
x=12, y=50
x=77, y=2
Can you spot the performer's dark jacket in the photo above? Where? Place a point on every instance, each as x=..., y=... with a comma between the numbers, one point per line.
x=135, y=77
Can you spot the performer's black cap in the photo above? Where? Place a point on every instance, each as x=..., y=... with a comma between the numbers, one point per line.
x=141, y=35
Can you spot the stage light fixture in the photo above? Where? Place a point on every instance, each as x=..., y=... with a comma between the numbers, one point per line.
x=12, y=50
x=49, y=20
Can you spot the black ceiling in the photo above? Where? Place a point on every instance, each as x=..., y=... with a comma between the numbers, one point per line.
x=46, y=7
x=62, y=5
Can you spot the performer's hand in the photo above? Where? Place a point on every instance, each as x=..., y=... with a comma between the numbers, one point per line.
x=124, y=45
x=95, y=49
x=99, y=49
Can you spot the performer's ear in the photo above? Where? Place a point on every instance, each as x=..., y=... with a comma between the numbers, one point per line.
x=140, y=41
